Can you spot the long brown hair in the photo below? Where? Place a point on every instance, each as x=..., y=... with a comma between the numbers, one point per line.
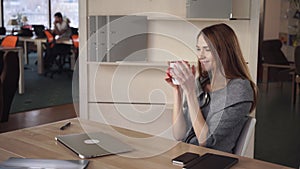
x=222, y=39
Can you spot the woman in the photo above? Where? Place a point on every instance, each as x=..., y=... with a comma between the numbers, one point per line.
x=218, y=102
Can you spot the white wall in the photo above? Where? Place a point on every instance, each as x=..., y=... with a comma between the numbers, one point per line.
x=119, y=7
x=272, y=19
x=276, y=21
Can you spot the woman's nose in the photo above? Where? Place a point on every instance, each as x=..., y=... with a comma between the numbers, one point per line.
x=201, y=55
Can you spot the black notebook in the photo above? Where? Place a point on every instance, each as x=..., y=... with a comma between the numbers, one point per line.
x=212, y=161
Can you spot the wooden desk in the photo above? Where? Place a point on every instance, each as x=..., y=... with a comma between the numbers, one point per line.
x=39, y=47
x=39, y=142
x=265, y=76
x=21, y=65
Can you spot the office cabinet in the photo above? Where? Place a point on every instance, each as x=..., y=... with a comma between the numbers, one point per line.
x=152, y=119
x=123, y=94
x=97, y=38
x=218, y=9
x=117, y=38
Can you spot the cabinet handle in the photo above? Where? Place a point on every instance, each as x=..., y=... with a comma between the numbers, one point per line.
x=113, y=32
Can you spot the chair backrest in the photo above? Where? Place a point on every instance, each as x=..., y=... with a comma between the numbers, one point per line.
x=74, y=31
x=272, y=53
x=9, y=78
x=297, y=59
x=245, y=136
x=9, y=41
x=75, y=40
x=50, y=38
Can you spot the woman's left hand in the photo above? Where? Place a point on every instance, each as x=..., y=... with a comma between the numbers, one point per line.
x=185, y=75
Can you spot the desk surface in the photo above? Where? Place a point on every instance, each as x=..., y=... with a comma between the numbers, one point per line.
x=44, y=40
x=10, y=48
x=39, y=142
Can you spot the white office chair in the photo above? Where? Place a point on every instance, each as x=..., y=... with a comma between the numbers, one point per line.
x=245, y=136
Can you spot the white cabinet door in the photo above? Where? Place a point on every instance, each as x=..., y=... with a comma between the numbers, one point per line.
x=152, y=119
x=97, y=38
x=92, y=39
x=119, y=83
x=218, y=9
x=127, y=35
x=208, y=8
x=117, y=38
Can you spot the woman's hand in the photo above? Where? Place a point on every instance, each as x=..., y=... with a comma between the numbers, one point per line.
x=168, y=79
x=185, y=75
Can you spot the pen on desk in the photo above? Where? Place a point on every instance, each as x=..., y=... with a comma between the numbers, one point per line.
x=65, y=126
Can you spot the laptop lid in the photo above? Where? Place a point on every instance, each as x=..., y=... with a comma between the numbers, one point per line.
x=39, y=30
x=88, y=145
x=38, y=163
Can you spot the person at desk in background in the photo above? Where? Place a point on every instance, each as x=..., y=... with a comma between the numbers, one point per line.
x=63, y=31
x=61, y=26
x=217, y=103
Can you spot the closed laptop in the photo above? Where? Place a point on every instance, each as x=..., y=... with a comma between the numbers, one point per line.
x=88, y=145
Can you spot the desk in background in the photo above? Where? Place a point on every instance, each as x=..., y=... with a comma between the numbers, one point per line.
x=39, y=142
x=265, y=77
x=39, y=46
x=21, y=65
x=38, y=42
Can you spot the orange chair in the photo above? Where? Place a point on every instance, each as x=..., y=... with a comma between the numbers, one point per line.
x=50, y=38
x=9, y=41
x=75, y=40
x=9, y=77
x=57, y=54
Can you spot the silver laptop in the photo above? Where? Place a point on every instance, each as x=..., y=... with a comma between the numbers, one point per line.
x=88, y=145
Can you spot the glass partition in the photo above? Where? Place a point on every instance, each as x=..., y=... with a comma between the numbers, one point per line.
x=68, y=8
x=36, y=12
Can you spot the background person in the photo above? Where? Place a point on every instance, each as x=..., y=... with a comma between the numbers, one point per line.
x=63, y=31
x=61, y=26
x=217, y=103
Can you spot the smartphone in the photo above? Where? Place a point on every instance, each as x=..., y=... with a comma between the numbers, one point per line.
x=185, y=158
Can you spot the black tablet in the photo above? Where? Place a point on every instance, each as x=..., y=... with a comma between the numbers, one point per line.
x=212, y=161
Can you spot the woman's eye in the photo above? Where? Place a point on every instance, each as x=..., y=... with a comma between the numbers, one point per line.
x=205, y=48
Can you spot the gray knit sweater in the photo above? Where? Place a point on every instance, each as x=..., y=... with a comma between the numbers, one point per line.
x=225, y=114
